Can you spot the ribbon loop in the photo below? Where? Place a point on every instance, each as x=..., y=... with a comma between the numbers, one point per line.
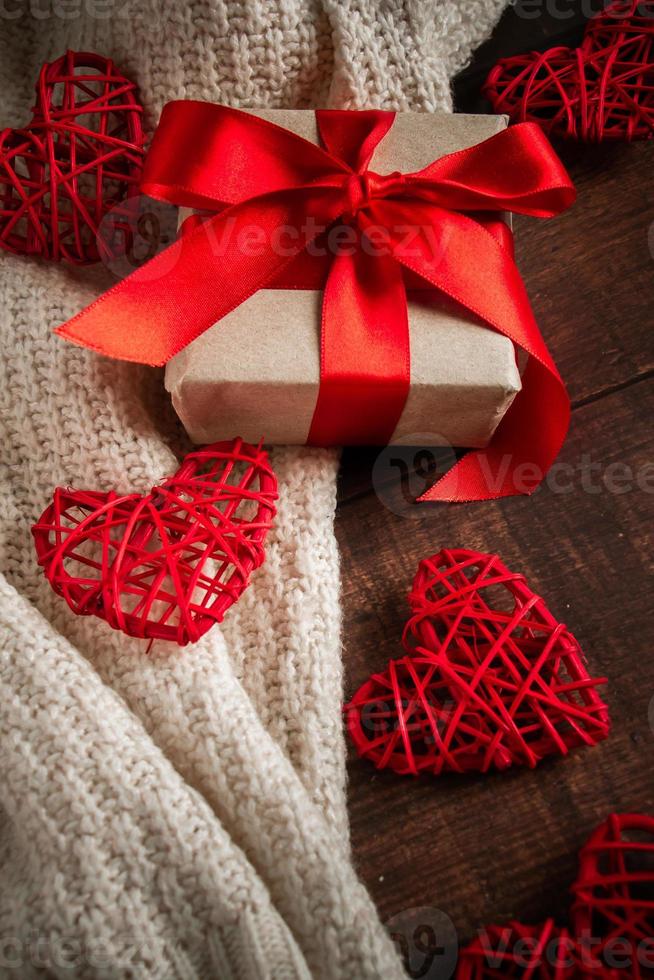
x=353, y=137
x=516, y=170
x=264, y=180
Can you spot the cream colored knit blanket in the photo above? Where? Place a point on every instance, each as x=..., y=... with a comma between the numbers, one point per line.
x=182, y=814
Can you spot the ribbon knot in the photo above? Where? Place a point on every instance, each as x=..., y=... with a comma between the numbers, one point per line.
x=361, y=189
x=252, y=175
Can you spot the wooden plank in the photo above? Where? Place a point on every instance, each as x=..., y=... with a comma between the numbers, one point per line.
x=488, y=848
x=590, y=272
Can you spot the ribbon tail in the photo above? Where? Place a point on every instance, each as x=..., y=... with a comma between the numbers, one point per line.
x=365, y=369
x=490, y=288
x=164, y=305
x=522, y=450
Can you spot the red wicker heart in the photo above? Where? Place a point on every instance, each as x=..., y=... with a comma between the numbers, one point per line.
x=603, y=90
x=491, y=679
x=536, y=952
x=614, y=895
x=167, y=565
x=79, y=158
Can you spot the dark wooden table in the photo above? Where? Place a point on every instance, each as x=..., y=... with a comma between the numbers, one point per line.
x=484, y=849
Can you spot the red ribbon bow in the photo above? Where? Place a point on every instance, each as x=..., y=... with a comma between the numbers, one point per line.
x=261, y=177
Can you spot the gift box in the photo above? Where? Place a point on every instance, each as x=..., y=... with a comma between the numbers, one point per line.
x=406, y=328
x=257, y=371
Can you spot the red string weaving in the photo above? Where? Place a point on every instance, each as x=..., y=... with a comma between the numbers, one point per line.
x=167, y=565
x=491, y=679
x=612, y=919
x=79, y=157
x=542, y=952
x=603, y=90
x=614, y=894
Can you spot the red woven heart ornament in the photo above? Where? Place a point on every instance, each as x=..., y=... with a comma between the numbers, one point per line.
x=515, y=950
x=603, y=90
x=612, y=933
x=79, y=158
x=491, y=679
x=167, y=565
x=614, y=895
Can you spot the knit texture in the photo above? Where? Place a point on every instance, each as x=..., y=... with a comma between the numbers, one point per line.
x=182, y=813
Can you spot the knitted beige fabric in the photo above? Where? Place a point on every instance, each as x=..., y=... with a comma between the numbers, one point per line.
x=182, y=813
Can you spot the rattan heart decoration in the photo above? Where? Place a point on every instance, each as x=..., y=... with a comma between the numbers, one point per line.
x=490, y=679
x=612, y=923
x=167, y=565
x=614, y=893
x=603, y=90
x=542, y=952
x=79, y=158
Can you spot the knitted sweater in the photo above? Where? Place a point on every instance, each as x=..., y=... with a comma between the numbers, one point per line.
x=181, y=814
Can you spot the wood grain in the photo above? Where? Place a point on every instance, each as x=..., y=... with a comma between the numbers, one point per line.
x=485, y=849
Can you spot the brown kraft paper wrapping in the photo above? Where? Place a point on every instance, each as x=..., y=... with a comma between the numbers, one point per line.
x=256, y=373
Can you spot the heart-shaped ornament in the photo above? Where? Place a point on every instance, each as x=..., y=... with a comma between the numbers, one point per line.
x=167, y=565
x=80, y=157
x=614, y=895
x=603, y=90
x=491, y=678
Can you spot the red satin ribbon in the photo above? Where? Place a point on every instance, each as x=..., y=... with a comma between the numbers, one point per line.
x=268, y=184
